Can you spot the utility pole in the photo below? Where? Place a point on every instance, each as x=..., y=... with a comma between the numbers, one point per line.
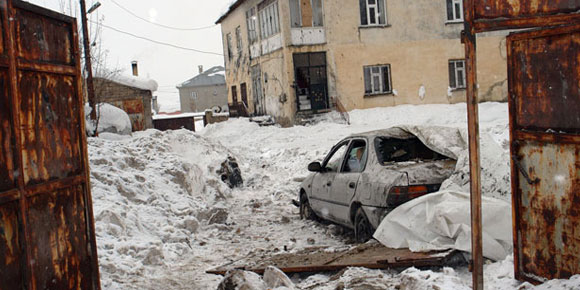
x=88, y=65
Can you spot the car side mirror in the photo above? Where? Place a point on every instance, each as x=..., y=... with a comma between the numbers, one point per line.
x=315, y=167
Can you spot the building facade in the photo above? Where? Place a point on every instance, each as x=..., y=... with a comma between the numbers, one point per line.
x=284, y=57
x=206, y=91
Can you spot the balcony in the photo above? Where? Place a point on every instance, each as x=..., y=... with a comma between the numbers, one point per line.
x=308, y=36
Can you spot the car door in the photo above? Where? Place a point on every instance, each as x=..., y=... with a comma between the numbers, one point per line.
x=320, y=201
x=346, y=180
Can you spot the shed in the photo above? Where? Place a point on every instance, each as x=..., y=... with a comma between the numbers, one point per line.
x=130, y=93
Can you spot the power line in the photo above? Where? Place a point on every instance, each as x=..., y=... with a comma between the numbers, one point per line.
x=156, y=41
x=161, y=25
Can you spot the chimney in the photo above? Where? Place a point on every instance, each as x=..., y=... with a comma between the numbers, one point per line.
x=135, y=69
x=200, y=67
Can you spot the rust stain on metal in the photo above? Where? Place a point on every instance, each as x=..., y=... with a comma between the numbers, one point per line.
x=511, y=14
x=49, y=123
x=47, y=238
x=57, y=224
x=548, y=94
x=544, y=75
x=6, y=137
x=491, y=9
x=10, y=253
x=43, y=38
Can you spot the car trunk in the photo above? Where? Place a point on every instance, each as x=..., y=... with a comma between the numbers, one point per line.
x=425, y=169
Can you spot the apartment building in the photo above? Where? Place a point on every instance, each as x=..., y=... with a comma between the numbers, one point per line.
x=289, y=57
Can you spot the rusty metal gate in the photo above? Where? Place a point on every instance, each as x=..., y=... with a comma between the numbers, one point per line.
x=544, y=76
x=47, y=236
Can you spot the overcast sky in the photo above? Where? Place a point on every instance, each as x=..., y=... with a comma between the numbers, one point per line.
x=167, y=65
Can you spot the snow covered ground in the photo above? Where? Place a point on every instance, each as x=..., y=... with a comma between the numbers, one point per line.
x=163, y=216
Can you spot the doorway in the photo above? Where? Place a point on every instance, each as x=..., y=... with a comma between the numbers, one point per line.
x=311, y=81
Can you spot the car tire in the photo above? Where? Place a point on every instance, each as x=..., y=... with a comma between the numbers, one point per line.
x=306, y=211
x=363, y=230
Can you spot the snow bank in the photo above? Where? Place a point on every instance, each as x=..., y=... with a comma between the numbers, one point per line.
x=149, y=201
x=111, y=120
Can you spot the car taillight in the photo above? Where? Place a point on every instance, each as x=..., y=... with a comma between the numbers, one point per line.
x=401, y=194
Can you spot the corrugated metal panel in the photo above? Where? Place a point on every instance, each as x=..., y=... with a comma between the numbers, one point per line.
x=47, y=238
x=544, y=76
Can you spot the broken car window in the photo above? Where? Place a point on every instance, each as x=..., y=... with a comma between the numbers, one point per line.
x=403, y=150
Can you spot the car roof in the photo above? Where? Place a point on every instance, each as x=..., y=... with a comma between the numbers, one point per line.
x=393, y=132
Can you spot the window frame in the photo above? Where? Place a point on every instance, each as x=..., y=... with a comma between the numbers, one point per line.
x=453, y=5
x=380, y=75
x=333, y=151
x=269, y=17
x=229, y=45
x=252, y=25
x=239, y=43
x=299, y=11
x=455, y=74
x=377, y=13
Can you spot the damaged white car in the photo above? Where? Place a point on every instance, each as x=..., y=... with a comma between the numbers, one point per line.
x=366, y=175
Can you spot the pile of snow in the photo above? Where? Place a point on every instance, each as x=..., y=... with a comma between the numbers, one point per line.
x=110, y=119
x=149, y=202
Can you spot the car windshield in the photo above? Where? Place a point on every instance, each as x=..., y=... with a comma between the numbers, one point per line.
x=391, y=150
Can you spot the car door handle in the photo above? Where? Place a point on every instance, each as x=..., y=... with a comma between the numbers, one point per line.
x=352, y=185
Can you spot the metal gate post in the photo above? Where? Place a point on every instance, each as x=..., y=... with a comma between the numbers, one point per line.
x=469, y=40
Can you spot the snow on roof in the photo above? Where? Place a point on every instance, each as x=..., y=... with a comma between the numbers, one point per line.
x=212, y=76
x=133, y=81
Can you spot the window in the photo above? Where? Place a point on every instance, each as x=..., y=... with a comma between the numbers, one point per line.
x=372, y=12
x=239, y=40
x=334, y=159
x=377, y=79
x=356, y=157
x=269, y=23
x=229, y=45
x=306, y=13
x=392, y=150
x=457, y=74
x=234, y=95
x=194, y=95
x=252, y=20
x=455, y=10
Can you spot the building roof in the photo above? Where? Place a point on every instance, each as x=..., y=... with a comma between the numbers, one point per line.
x=230, y=10
x=131, y=81
x=212, y=76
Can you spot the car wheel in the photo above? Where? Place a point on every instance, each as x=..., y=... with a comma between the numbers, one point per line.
x=363, y=230
x=306, y=211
